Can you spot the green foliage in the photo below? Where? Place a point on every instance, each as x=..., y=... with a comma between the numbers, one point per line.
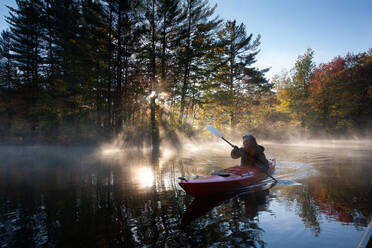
x=196, y=31
x=235, y=81
x=66, y=64
x=293, y=88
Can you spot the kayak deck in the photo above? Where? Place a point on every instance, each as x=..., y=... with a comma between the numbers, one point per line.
x=228, y=179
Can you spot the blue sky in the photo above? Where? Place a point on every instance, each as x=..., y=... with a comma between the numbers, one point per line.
x=289, y=27
x=4, y=12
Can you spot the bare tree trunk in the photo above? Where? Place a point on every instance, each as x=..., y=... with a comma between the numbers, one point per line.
x=154, y=125
x=109, y=100
x=118, y=116
x=187, y=65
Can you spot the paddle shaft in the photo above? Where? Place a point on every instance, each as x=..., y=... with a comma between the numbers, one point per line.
x=270, y=176
x=227, y=141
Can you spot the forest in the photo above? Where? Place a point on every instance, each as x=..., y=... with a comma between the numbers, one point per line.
x=85, y=71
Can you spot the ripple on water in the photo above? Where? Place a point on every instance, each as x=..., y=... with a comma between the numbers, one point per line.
x=293, y=171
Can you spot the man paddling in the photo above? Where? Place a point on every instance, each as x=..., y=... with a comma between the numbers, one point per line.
x=251, y=153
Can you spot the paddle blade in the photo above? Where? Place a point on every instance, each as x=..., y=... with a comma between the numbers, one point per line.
x=213, y=130
x=287, y=183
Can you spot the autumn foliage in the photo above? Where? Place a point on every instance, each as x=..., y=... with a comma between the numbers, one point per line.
x=337, y=98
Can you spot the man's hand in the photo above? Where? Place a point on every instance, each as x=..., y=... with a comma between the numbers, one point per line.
x=236, y=149
x=235, y=153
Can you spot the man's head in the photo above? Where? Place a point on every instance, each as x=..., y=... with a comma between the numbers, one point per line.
x=249, y=141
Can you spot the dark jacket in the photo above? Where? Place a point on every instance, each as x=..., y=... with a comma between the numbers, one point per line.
x=256, y=158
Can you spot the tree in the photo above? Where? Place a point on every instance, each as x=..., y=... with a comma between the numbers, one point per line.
x=169, y=14
x=8, y=78
x=294, y=88
x=339, y=94
x=74, y=66
x=360, y=85
x=197, y=22
x=237, y=78
x=332, y=97
x=301, y=76
x=8, y=73
x=26, y=32
x=92, y=47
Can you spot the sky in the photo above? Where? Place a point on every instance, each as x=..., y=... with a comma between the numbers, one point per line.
x=288, y=27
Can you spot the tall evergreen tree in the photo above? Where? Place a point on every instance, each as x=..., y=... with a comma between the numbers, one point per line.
x=63, y=55
x=170, y=17
x=236, y=74
x=92, y=48
x=197, y=19
x=127, y=36
x=150, y=38
x=26, y=33
x=7, y=72
x=74, y=33
x=26, y=26
x=108, y=15
x=8, y=79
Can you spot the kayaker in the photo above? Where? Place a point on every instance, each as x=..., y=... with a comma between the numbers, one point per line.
x=251, y=153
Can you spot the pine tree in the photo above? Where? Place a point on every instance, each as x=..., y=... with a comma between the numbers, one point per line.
x=8, y=72
x=125, y=39
x=109, y=54
x=197, y=20
x=92, y=48
x=26, y=27
x=170, y=17
x=236, y=74
x=152, y=32
x=8, y=79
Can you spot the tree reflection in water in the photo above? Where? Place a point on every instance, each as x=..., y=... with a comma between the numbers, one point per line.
x=66, y=197
x=340, y=191
x=233, y=220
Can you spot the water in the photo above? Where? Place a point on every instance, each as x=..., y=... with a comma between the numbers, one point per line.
x=53, y=196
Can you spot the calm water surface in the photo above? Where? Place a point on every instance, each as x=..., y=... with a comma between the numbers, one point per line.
x=54, y=196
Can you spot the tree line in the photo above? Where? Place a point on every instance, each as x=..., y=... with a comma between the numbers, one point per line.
x=72, y=69
x=333, y=97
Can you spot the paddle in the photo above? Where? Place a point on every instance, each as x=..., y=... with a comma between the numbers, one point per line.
x=213, y=130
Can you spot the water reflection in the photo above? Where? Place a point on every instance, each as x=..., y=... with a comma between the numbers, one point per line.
x=231, y=220
x=202, y=205
x=144, y=176
x=62, y=197
x=340, y=191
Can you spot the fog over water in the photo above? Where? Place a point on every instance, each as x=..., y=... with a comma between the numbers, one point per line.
x=57, y=196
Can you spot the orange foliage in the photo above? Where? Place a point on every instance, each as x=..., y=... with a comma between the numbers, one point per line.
x=340, y=92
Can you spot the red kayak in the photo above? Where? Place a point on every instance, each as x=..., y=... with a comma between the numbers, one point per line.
x=227, y=180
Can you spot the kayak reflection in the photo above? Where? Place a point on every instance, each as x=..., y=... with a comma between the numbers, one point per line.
x=254, y=198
